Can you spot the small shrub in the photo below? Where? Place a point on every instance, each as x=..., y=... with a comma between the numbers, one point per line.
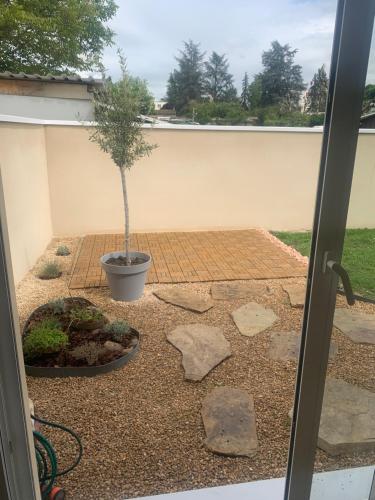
x=44, y=338
x=49, y=271
x=57, y=306
x=118, y=329
x=90, y=351
x=62, y=250
x=78, y=314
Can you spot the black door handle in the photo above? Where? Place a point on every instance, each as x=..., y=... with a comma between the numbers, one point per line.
x=340, y=271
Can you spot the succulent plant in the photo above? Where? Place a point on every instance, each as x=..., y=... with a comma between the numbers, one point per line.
x=62, y=250
x=45, y=337
x=85, y=314
x=90, y=351
x=49, y=270
x=118, y=329
x=57, y=306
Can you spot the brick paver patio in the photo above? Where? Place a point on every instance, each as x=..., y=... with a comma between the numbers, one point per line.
x=188, y=257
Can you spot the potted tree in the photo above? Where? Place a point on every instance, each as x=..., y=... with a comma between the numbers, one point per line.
x=118, y=131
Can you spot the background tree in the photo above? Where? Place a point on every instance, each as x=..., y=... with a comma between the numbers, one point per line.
x=316, y=95
x=245, y=93
x=146, y=99
x=186, y=83
x=255, y=92
x=282, y=82
x=218, y=82
x=53, y=36
x=117, y=109
x=368, y=104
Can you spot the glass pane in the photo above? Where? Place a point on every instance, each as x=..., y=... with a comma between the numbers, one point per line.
x=346, y=445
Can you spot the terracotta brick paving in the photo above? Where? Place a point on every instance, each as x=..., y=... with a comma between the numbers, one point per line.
x=188, y=257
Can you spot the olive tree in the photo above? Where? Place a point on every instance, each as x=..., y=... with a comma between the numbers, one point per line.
x=118, y=127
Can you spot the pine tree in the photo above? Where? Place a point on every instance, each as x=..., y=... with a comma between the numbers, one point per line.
x=282, y=82
x=316, y=97
x=186, y=83
x=245, y=94
x=218, y=82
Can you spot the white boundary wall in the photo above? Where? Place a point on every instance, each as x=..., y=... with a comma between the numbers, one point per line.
x=59, y=183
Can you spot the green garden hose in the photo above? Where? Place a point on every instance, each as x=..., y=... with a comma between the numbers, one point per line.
x=46, y=457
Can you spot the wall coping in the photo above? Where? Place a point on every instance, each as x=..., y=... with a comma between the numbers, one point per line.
x=168, y=126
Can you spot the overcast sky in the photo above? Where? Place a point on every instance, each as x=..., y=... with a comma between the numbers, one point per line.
x=151, y=32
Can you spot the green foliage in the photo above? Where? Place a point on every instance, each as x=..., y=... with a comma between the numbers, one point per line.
x=255, y=92
x=53, y=36
x=218, y=82
x=282, y=82
x=78, y=314
x=245, y=93
x=62, y=251
x=118, y=329
x=185, y=84
x=57, y=306
x=358, y=257
x=316, y=96
x=44, y=338
x=117, y=110
x=222, y=113
x=90, y=351
x=368, y=104
x=273, y=117
x=49, y=270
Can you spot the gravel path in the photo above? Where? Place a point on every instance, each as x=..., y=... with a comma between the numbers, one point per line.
x=141, y=426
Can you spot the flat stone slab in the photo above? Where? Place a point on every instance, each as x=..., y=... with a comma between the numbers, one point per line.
x=358, y=326
x=285, y=346
x=185, y=298
x=229, y=421
x=252, y=318
x=234, y=290
x=347, y=422
x=203, y=347
x=296, y=294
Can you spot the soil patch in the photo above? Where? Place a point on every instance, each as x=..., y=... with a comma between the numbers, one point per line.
x=121, y=261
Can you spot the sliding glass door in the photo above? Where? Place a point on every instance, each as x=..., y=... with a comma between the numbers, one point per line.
x=350, y=56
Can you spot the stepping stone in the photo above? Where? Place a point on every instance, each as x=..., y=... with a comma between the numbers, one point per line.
x=358, y=326
x=203, y=347
x=185, y=298
x=347, y=423
x=234, y=290
x=285, y=346
x=252, y=318
x=296, y=294
x=229, y=421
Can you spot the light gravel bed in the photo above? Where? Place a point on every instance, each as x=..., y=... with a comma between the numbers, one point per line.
x=141, y=426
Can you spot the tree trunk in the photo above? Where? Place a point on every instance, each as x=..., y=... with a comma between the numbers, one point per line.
x=126, y=211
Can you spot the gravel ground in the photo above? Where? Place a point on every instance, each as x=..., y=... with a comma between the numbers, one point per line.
x=141, y=426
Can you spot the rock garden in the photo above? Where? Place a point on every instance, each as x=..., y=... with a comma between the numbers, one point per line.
x=206, y=400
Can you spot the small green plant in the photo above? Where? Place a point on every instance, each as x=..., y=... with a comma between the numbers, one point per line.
x=90, y=351
x=57, y=306
x=118, y=329
x=78, y=314
x=62, y=250
x=49, y=271
x=46, y=337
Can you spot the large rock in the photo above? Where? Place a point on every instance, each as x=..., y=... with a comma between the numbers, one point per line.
x=185, y=298
x=229, y=421
x=296, y=293
x=347, y=422
x=233, y=290
x=285, y=346
x=253, y=318
x=203, y=347
x=358, y=326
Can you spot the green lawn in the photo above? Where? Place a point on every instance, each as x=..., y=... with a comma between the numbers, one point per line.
x=358, y=259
